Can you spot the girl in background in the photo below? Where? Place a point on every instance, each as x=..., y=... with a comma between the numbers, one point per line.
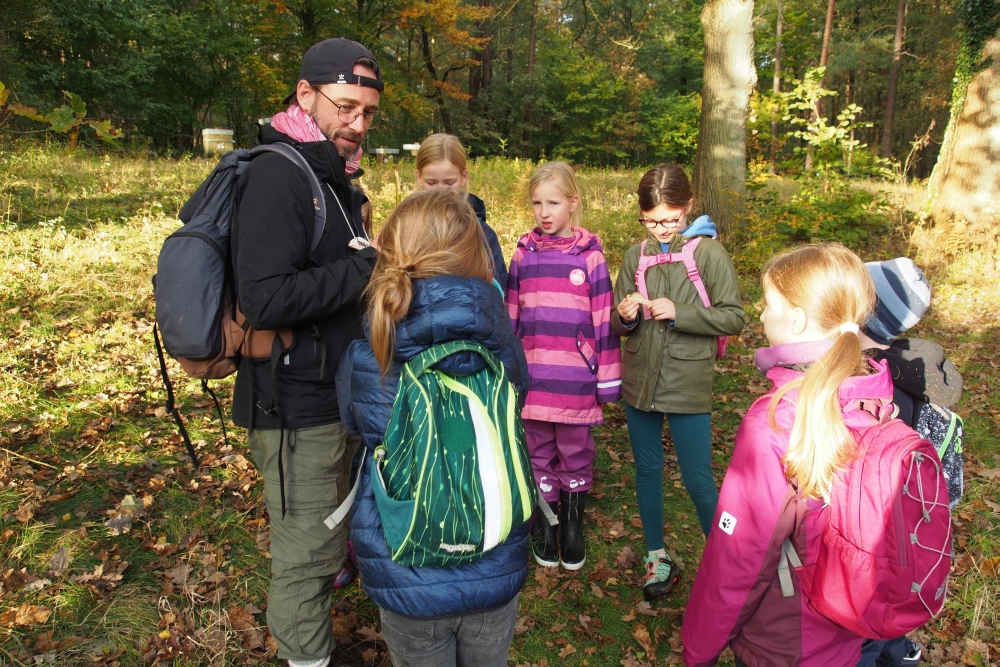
x=669, y=355
x=559, y=300
x=441, y=165
x=790, y=444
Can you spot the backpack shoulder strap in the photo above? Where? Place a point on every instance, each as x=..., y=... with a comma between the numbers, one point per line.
x=687, y=256
x=319, y=201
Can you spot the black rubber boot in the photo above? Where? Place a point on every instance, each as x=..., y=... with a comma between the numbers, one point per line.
x=573, y=549
x=544, y=545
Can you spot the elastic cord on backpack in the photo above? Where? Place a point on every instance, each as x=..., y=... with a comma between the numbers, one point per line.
x=169, y=405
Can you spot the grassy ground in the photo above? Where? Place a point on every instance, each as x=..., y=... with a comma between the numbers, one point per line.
x=114, y=551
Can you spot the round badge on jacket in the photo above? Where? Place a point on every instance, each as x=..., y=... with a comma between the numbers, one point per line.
x=577, y=276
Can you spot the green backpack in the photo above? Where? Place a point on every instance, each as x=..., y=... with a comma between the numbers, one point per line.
x=452, y=477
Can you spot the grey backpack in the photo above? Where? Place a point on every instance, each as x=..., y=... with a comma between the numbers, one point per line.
x=197, y=314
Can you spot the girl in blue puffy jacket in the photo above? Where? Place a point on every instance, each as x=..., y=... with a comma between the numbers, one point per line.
x=432, y=284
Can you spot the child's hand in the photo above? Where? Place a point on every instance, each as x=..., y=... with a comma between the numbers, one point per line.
x=662, y=309
x=628, y=309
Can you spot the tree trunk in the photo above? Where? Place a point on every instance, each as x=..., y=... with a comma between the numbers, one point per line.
x=890, y=97
x=532, y=36
x=720, y=163
x=824, y=56
x=481, y=74
x=425, y=44
x=776, y=87
x=966, y=178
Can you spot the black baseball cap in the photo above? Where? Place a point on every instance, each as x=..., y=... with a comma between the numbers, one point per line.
x=332, y=61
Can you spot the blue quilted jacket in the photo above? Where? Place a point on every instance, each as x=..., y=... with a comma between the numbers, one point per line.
x=443, y=308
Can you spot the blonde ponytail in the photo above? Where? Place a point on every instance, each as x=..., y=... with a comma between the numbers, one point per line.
x=431, y=233
x=830, y=283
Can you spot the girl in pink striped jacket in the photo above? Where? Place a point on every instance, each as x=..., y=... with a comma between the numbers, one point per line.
x=559, y=297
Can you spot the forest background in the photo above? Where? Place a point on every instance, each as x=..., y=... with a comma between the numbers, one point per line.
x=597, y=82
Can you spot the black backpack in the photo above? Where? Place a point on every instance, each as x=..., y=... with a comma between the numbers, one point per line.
x=196, y=306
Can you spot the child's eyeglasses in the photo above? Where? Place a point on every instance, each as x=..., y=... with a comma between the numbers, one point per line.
x=651, y=224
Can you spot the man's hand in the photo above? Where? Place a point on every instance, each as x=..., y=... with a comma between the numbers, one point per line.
x=628, y=309
x=662, y=309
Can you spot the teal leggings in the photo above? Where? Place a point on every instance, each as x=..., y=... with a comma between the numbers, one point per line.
x=692, y=436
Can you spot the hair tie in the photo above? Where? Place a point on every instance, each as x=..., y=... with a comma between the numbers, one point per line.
x=849, y=327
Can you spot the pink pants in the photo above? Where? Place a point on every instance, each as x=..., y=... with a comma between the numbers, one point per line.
x=562, y=457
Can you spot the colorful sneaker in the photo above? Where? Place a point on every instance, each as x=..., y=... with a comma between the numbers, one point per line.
x=662, y=575
x=344, y=578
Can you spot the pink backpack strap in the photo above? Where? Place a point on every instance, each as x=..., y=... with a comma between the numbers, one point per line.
x=686, y=255
x=646, y=261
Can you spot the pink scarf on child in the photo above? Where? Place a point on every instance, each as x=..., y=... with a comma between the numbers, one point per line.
x=300, y=126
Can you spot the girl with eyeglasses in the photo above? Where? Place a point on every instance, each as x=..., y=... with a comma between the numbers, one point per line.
x=671, y=343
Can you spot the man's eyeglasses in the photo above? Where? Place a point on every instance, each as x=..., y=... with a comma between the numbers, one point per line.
x=349, y=114
x=671, y=222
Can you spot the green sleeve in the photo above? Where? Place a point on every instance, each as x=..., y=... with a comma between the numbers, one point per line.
x=625, y=285
x=726, y=317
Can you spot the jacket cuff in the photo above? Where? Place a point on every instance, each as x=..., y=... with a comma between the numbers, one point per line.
x=610, y=394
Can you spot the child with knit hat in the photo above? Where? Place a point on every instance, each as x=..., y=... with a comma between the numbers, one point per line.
x=920, y=374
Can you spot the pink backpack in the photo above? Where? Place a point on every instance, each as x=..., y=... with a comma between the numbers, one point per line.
x=686, y=255
x=881, y=568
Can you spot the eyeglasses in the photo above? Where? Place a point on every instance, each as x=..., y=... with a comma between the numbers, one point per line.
x=349, y=114
x=651, y=224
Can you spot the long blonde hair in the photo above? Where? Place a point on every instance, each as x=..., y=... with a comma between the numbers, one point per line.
x=441, y=147
x=829, y=283
x=431, y=233
x=560, y=174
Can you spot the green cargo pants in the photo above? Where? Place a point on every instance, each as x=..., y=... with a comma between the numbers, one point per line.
x=306, y=556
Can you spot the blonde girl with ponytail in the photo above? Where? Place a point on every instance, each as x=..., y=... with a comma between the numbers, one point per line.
x=432, y=283
x=789, y=447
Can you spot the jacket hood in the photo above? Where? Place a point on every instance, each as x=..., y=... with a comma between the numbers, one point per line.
x=920, y=368
x=446, y=308
x=322, y=156
x=774, y=361
x=702, y=226
x=536, y=240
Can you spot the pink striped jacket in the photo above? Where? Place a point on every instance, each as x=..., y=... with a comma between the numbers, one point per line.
x=559, y=297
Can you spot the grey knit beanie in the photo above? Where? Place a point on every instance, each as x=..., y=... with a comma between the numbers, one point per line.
x=903, y=297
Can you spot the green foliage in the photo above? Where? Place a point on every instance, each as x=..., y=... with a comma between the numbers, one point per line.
x=671, y=125
x=67, y=119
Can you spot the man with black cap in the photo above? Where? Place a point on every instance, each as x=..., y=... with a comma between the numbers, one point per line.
x=290, y=407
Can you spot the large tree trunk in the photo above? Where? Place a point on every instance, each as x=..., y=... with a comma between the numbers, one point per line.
x=720, y=163
x=890, y=96
x=776, y=87
x=966, y=178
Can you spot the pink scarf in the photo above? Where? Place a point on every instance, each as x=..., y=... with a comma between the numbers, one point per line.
x=300, y=126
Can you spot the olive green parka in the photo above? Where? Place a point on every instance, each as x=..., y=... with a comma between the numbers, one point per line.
x=670, y=367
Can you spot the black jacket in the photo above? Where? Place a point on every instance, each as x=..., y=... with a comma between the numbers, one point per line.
x=492, y=242
x=920, y=373
x=279, y=285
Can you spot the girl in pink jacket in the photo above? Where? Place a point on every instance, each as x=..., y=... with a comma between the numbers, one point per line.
x=788, y=448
